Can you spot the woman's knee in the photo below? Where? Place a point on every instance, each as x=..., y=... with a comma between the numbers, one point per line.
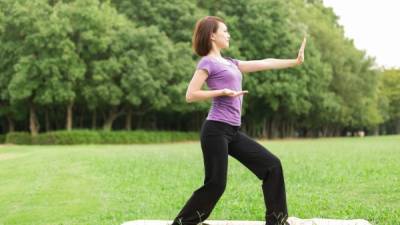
x=277, y=162
x=272, y=162
x=217, y=187
x=273, y=167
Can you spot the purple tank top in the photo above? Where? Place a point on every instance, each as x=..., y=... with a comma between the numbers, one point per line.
x=224, y=108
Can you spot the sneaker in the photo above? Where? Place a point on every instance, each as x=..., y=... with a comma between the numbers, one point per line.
x=284, y=223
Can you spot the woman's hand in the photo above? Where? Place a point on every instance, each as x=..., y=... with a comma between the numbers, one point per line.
x=232, y=93
x=300, y=56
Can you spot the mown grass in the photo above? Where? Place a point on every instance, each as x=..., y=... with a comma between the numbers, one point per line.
x=110, y=184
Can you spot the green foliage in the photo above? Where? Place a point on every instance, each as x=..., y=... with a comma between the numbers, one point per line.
x=2, y=138
x=353, y=81
x=176, y=18
x=21, y=138
x=133, y=59
x=95, y=28
x=391, y=90
x=67, y=138
x=99, y=137
x=49, y=66
x=146, y=72
x=389, y=99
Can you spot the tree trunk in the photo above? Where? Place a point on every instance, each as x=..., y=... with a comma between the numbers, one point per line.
x=69, y=116
x=128, y=121
x=11, y=125
x=153, y=123
x=33, y=121
x=264, y=128
x=94, y=120
x=285, y=129
x=291, y=130
x=56, y=122
x=397, y=125
x=47, y=120
x=109, y=122
x=112, y=116
x=273, y=128
x=139, y=122
x=280, y=127
x=81, y=118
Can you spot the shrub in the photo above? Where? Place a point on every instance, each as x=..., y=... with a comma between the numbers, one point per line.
x=20, y=138
x=100, y=137
x=67, y=137
x=2, y=138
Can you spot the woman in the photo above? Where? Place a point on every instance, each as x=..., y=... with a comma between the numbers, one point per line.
x=220, y=135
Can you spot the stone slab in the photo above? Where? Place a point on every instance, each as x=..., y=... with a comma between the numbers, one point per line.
x=291, y=220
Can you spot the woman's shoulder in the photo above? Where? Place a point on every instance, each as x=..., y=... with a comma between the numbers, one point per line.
x=205, y=58
x=210, y=59
x=206, y=63
x=233, y=60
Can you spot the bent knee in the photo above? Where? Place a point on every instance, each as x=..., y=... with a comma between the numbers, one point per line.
x=275, y=163
x=217, y=187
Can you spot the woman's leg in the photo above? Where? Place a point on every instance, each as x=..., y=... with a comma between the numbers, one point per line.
x=215, y=154
x=267, y=167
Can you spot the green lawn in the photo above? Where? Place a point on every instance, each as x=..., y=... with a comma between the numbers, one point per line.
x=110, y=184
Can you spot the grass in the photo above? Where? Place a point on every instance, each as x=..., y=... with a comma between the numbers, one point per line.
x=109, y=184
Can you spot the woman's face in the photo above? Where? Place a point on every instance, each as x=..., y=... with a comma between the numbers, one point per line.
x=221, y=37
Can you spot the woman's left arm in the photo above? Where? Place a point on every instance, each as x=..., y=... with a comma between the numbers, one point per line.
x=270, y=63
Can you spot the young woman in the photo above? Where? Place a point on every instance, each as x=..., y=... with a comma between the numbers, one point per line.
x=220, y=134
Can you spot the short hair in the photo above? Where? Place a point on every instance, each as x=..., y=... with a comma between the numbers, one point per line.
x=201, y=41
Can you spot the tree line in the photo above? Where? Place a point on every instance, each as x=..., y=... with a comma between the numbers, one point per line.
x=125, y=64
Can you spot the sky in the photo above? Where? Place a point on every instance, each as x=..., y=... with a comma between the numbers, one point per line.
x=374, y=25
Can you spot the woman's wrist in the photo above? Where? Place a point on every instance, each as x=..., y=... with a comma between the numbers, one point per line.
x=297, y=61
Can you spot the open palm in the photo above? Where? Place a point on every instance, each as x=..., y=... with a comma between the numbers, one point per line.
x=300, y=56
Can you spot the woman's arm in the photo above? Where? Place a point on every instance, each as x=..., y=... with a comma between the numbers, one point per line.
x=194, y=92
x=270, y=63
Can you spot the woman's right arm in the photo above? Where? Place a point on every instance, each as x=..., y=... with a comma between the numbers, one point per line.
x=194, y=92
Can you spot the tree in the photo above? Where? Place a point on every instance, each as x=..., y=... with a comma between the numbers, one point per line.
x=390, y=100
x=176, y=18
x=47, y=67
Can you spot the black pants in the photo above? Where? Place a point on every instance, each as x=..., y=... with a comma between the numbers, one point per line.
x=218, y=140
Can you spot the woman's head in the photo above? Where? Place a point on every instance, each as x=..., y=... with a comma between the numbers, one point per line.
x=210, y=31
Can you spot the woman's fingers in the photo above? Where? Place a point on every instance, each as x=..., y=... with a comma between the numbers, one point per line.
x=233, y=93
x=228, y=92
x=240, y=93
x=303, y=44
x=300, y=56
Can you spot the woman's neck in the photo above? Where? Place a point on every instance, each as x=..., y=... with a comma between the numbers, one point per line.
x=215, y=53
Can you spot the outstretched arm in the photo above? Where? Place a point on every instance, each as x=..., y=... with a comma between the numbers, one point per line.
x=270, y=63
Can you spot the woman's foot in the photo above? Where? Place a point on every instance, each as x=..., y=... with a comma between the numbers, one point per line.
x=279, y=223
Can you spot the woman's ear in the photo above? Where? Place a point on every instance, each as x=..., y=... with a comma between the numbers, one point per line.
x=212, y=37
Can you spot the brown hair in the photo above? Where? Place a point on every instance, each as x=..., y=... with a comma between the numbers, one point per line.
x=201, y=41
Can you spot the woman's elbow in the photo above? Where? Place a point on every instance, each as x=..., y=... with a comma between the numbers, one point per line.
x=189, y=98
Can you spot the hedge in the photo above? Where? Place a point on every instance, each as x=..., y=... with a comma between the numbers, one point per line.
x=20, y=138
x=99, y=137
x=2, y=138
